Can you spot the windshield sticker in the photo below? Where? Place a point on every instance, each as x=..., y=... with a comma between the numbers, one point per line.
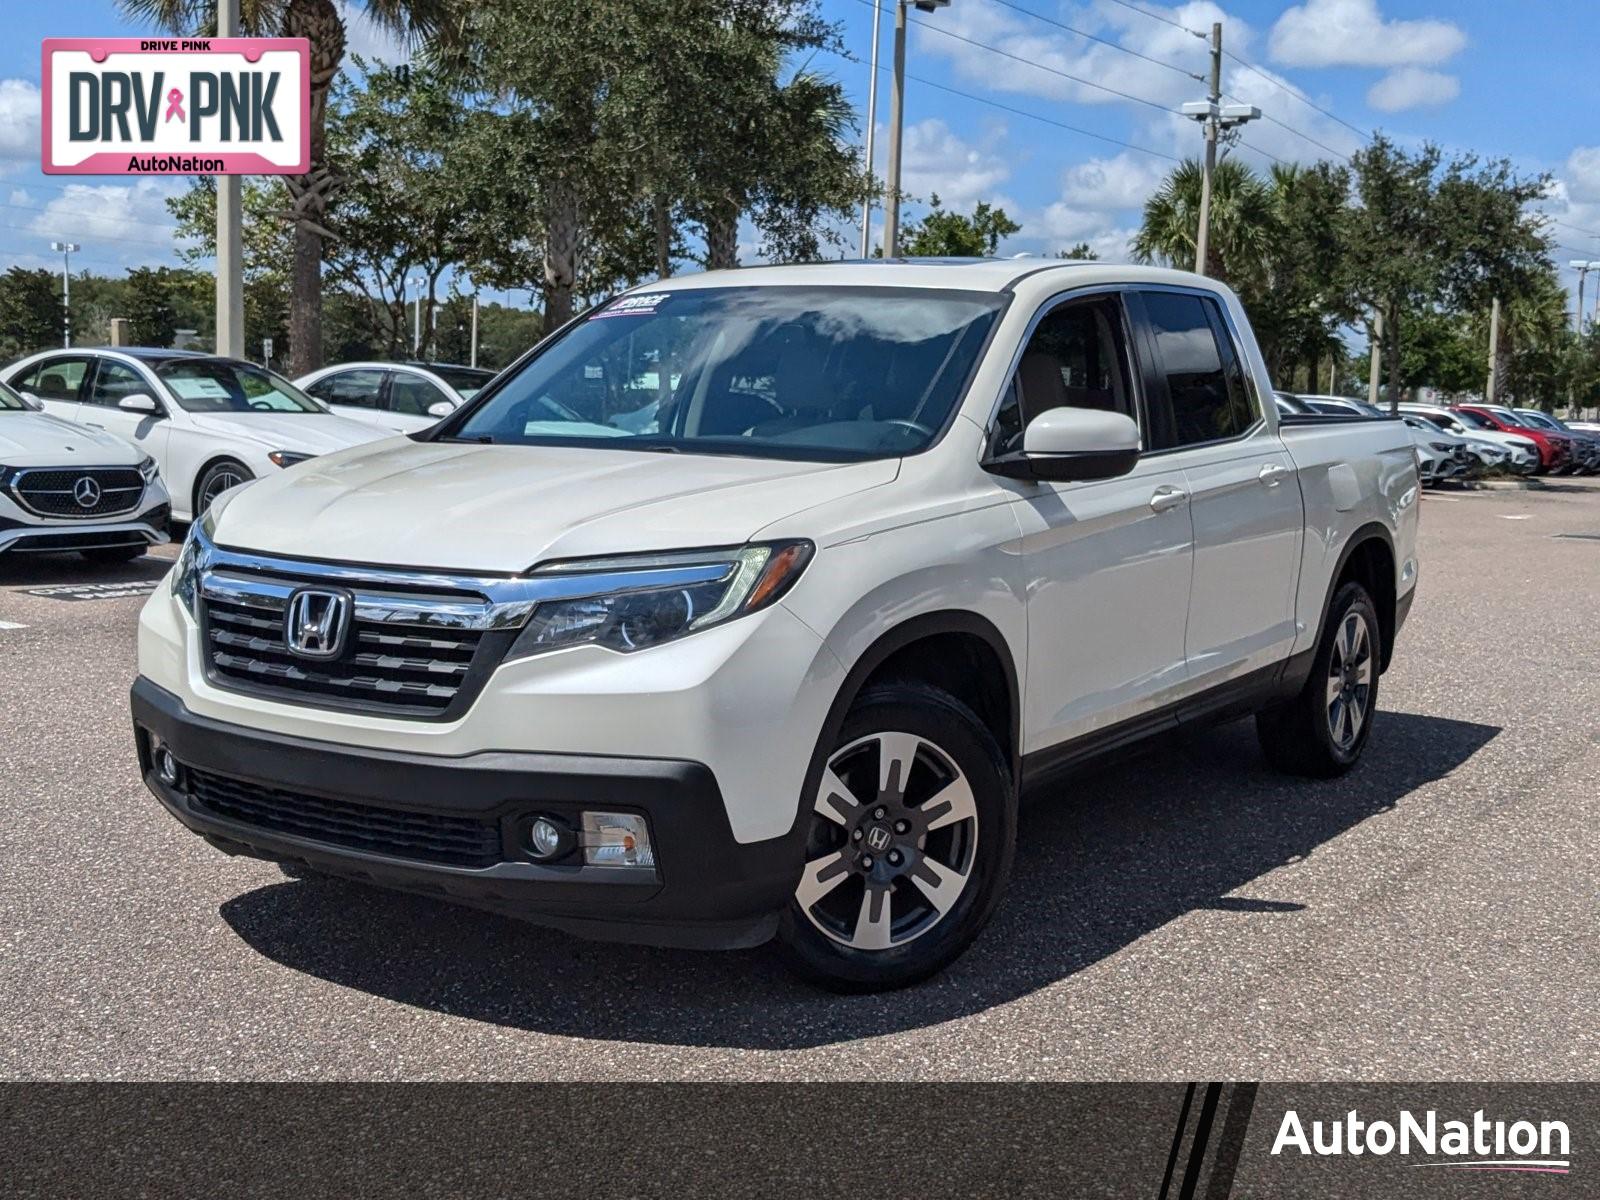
x=198, y=389
x=642, y=305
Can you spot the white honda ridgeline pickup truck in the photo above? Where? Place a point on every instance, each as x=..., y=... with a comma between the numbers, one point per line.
x=747, y=603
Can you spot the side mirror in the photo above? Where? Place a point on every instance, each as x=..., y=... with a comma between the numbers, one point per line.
x=138, y=402
x=441, y=408
x=32, y=401
x=1072, y=444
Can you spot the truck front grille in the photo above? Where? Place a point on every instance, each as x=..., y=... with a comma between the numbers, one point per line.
x=420, y=837
x=79, y=493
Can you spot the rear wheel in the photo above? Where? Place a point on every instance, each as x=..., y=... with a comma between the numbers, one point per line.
x=1322, y=731
x=912, y=831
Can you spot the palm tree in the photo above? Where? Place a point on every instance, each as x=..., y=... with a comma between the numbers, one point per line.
x=1240, y=234
x=322, y=24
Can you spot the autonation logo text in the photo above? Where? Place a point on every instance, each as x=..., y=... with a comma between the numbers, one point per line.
x=1480, y=1144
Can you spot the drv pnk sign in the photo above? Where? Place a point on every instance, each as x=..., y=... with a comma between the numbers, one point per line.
x=177, y=106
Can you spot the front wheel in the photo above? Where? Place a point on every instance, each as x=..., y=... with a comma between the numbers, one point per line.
x=912, y=832
x=1322, y=731
x=219, y=477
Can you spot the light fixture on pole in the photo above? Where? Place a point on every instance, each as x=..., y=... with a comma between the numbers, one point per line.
x=416, y=281
x=897, y=95
x=1582, y=267
x=1215, y=117
x=66, y=250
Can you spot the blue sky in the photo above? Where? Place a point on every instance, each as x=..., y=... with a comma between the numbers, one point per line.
x=1495, y=78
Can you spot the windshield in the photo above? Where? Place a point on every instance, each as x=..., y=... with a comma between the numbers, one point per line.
x=10, y=401
x=1537, y=421
x=467, y=381
x=1473, y=420
x=208, y=385
x=816, y=373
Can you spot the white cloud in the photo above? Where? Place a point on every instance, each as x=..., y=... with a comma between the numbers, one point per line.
x=1103, y=184
x=933, y=158
x=1413, y=87
x=19, y=121
x=1582, y=175
x=123, y=218
x=1332, y=33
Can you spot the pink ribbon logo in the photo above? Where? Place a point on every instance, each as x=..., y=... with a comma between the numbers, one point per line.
x=175, y=105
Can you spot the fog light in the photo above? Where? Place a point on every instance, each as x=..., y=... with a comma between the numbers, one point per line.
x=550, y=838
x=616, y=840
x=166, y=766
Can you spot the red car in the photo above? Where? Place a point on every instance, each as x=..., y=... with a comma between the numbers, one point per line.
x=1555, y=451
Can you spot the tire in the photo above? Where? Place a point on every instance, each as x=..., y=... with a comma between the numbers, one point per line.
x=936, y=842
x=218, y=477
x=111, y=555
x=1321, y=732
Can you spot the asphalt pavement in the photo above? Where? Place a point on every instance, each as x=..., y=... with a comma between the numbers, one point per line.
x=1185, y=914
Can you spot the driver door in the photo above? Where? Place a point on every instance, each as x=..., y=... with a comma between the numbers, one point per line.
x=1107, y=561
x=106, y=387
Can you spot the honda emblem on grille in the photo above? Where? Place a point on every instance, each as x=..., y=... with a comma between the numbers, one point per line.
x=315, y=622
x=86, y=492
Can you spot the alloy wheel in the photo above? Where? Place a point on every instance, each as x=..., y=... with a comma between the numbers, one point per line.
x=220, y=482
x=1349, y=681
x=893, y=842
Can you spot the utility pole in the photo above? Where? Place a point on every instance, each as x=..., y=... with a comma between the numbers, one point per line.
x=66, y=250
x=416, y=281
x=474, y=360
x=872, y=127
x=230, y=230
x=1375, y=372
x=1214, y=99
x=1583, y=267
x=1494, y=352
x=1214, y=118
x=897, y=94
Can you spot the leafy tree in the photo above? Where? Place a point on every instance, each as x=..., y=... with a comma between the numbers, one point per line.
x=1079, y=252
x=268, y=252
x=30, y=311
x=945, y=234
x=322, y=22
x=1239, y=236
x=1296, y=306
x=150, y=306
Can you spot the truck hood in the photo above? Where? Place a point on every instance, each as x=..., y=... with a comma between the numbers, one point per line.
x=35, y=439
x=504, y=508
x=304, y=433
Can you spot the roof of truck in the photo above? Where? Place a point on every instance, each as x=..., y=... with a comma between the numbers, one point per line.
x=959, y=274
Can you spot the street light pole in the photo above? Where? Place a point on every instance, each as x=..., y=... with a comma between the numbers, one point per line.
x=230, y=231
x=66, y=250
x=872, y=128
x=474, y=361
x=897, y=97
x=416, y=281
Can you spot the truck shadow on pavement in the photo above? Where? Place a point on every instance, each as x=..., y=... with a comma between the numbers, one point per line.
x=52, y=570
x=1103, y=859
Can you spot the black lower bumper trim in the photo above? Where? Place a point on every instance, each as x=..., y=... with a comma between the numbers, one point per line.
x=707, y=890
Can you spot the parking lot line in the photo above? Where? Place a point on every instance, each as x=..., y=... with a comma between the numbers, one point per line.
x=11, y=625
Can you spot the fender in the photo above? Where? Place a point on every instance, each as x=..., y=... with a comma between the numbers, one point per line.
x=1364, y=534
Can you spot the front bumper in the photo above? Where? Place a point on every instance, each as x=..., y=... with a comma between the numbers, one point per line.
x=706, y=889
x=24, y=533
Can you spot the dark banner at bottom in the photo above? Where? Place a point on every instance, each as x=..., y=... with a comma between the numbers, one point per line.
x=1164, y=1141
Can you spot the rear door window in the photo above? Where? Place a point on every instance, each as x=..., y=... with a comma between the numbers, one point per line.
x=1206, y=388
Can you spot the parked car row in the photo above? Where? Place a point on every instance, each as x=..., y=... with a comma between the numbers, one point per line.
x=1465, y=440
x=100, y=449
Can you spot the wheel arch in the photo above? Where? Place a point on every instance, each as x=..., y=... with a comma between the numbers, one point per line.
x=1368, y=558
x=200, y=477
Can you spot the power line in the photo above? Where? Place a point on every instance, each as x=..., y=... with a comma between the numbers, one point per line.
x=1097, y=38
x=1364, y=134
x=1306, y=136
x=1145, y=12
x=1032, y=116
x=1028, y=62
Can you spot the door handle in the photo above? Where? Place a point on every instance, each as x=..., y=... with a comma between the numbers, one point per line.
x=1272, y=474
x=1167, y=498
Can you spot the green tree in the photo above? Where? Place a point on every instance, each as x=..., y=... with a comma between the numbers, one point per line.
x=322, y=22
x=151, y=306
x=30, y=311
x=944, y=234
x=268, y=252
x=1295, y=304
x=1079, y=252
x=1241, y=229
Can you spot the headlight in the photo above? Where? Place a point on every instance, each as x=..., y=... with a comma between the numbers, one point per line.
x=147, y=468
x=287, y=458
x=191, y=562
x=644, y=600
